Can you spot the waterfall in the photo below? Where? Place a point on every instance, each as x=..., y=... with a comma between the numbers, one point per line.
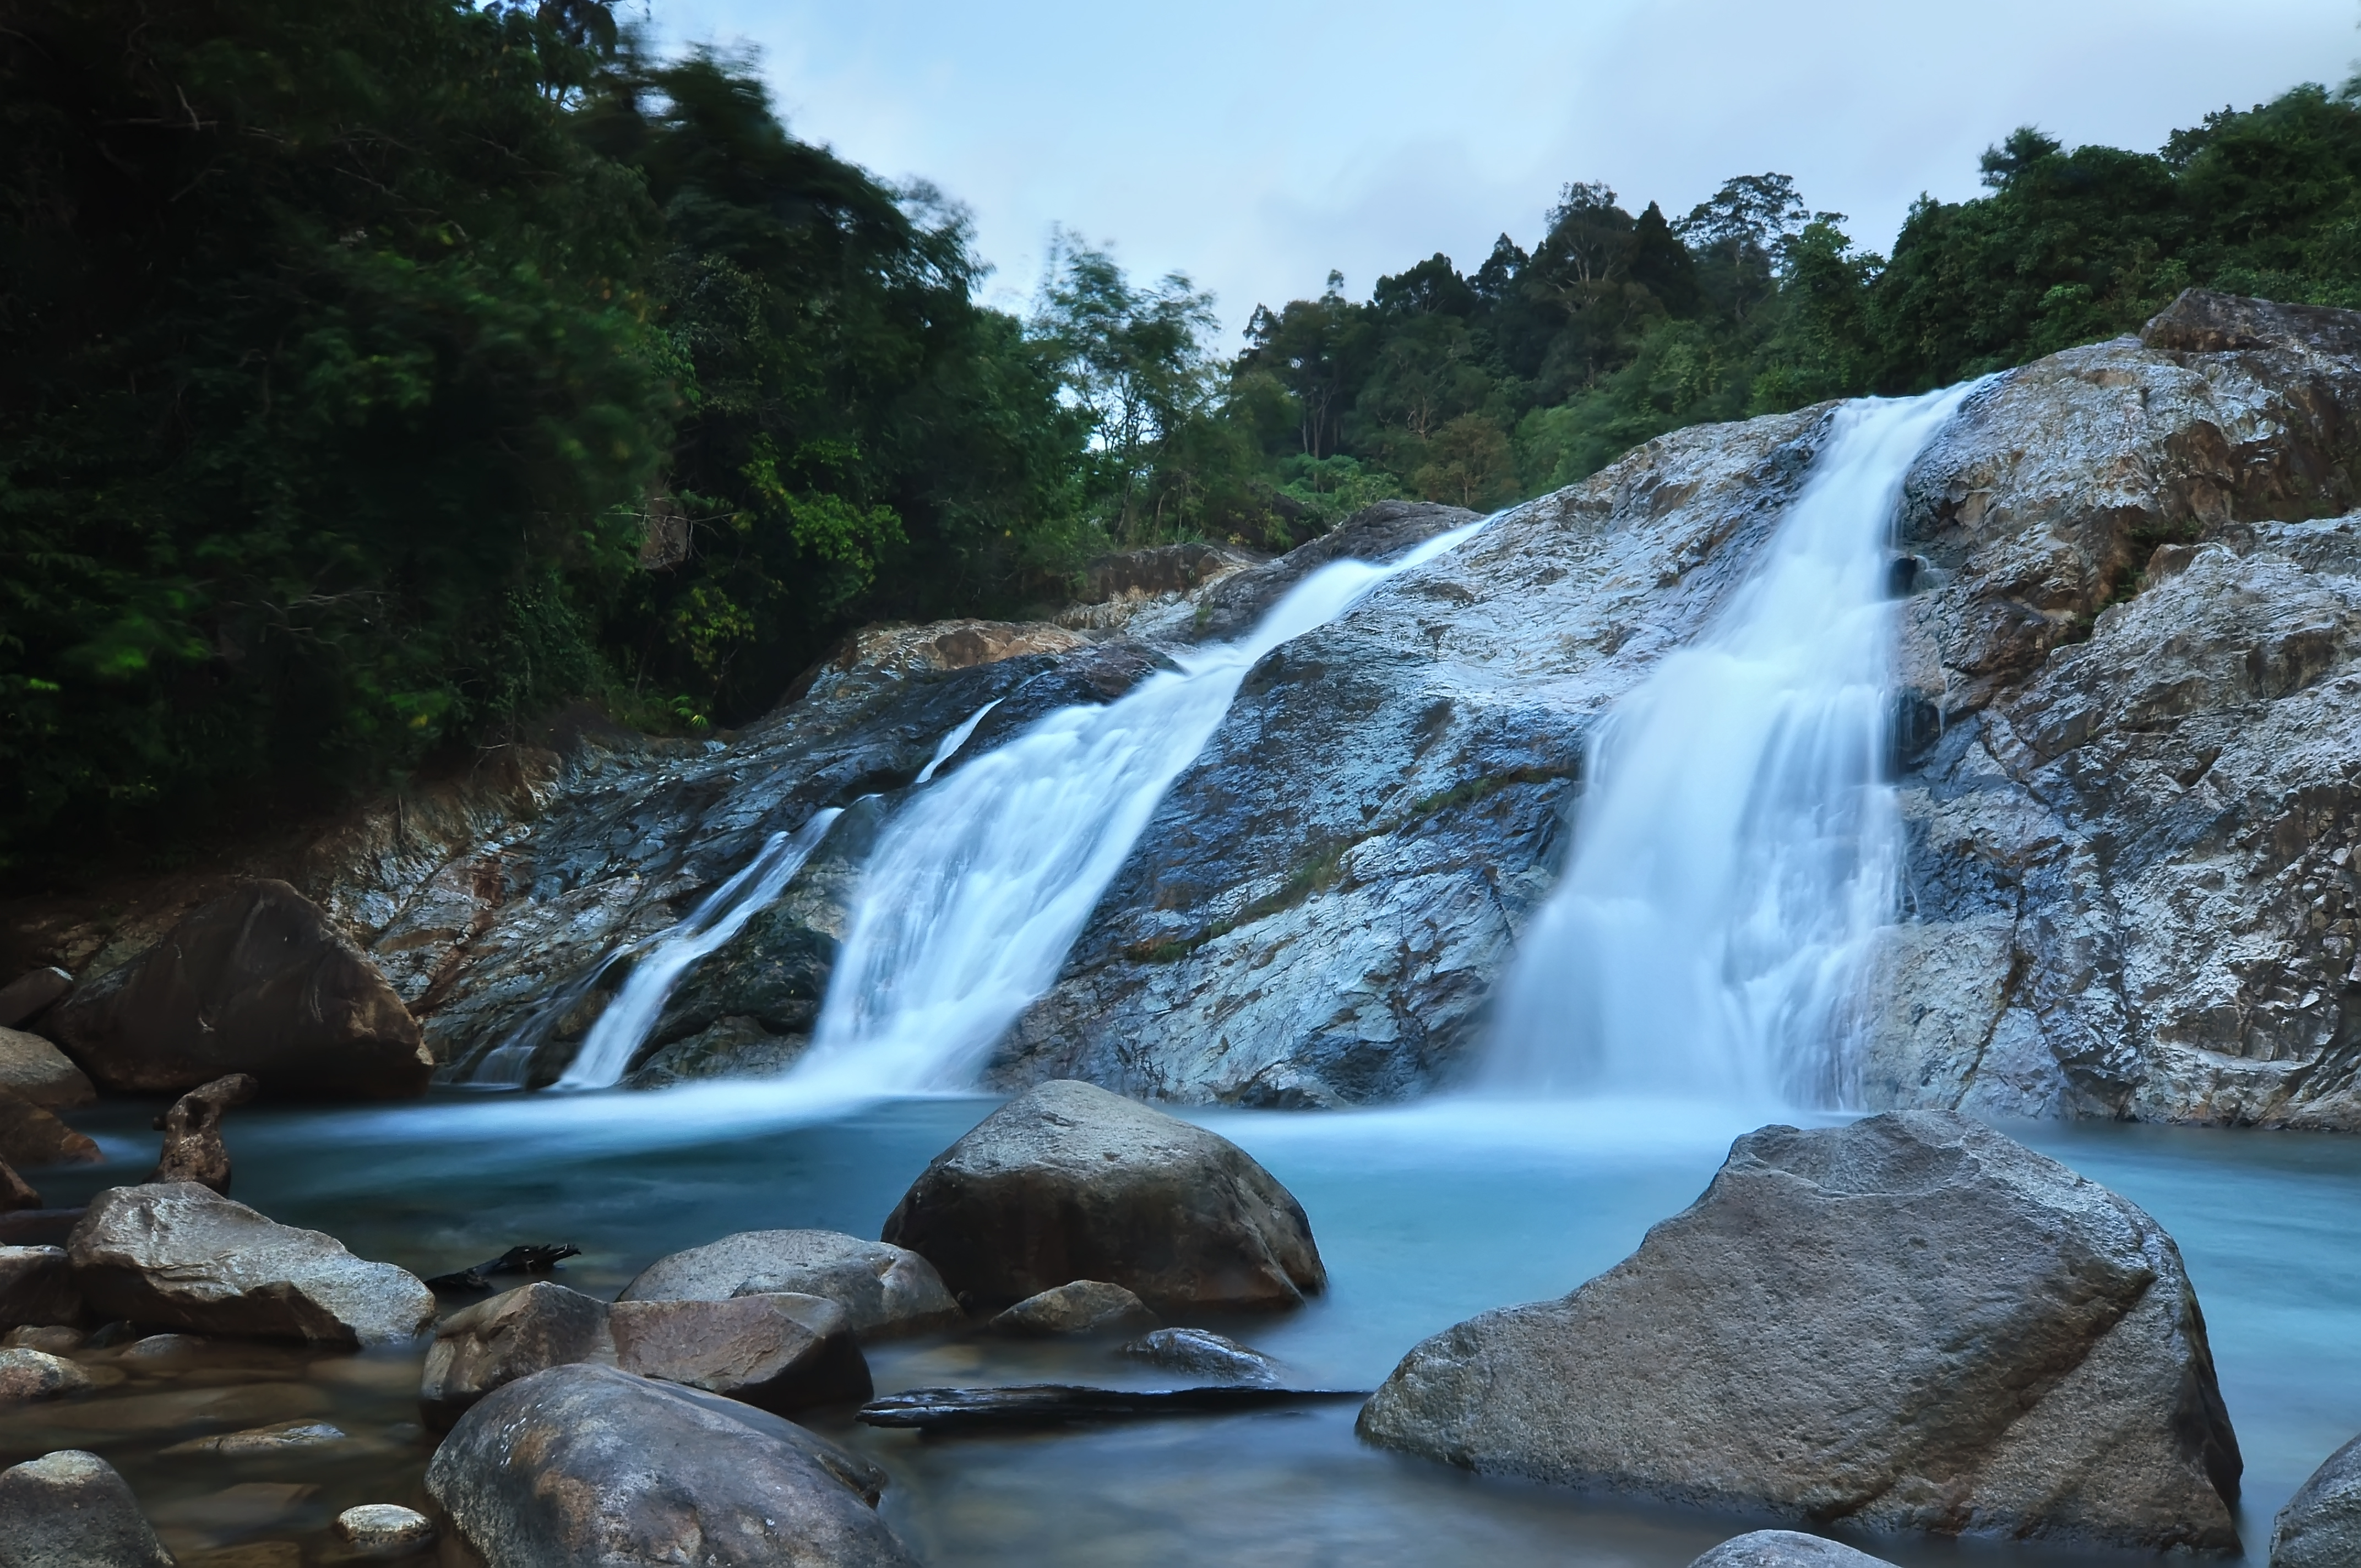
x=1736, y=845
x=950, y=744
x=608, y=1050
x=980, y=886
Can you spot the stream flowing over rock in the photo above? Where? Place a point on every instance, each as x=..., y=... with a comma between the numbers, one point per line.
x=2128, y=742
x=1911, y=1322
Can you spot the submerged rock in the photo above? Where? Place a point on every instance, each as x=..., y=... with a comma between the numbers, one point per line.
x=1068, y=1182
x=70, y=1510
x=181, y=1256
x=2321, y=1526
x=37, y=1287
x=1786, y=1549
x=278, y=1438
x=1912, y=1323
x=590, y=1465
x=512, y=1335
x=1203, y=1353
x=385, y=1530
x=38, y=1072
x=257, y=981
x=883, y=1289
x=1078, y=1307
x=780, y=1351
x=32, y=1136
x=193, y=1148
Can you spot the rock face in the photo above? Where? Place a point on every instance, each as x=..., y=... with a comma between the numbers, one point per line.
x=1909, y=1323
x=1786, y=1548
x=183, y=1256
x=193, y=1148
x=257, y=980
x=883, y=1289
x=1079, y=1307
x=512, y=1335
x=2321, y=1526
x=588, y=1464
x=1068, y=1182
x=779, y=1351
x=36, y=1071
x=70, y=1510
x=31, y=1135
x=37, y=1287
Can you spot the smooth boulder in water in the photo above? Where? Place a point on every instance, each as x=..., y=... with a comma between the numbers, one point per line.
x=70, y=1510
x=1786, y=1549
x=1077, y=1307
x=591, y=1464
x=36, y=1071
x=514, y=1335
x=1068, y=1182
x=182, y=1256
x=256, y=981
x=781, y=1351
x=2321, y=1526
x=883, y=1289
x=1911, y=1322
x=1205, y=1354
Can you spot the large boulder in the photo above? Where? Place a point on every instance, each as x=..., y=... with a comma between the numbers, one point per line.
x=2321, y=1526
x=1068, y=1182
x=183, y=1256
x=589, y=1465
x=28, y=995
x=1912, y=1323
x=70, y=1510
x=34, y=1070
x=780, y=1351
x=192, y=1149
x=32, y=1136
x=513, y=1335
x=1786, y=1549
x=883, y=1289
x=37, y=1287
x=256, y=981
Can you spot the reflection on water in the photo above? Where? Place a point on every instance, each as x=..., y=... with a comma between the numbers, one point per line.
x=1425, y=1216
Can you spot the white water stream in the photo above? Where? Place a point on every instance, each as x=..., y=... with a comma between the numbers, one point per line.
x=1737, y=847
x=983, y=882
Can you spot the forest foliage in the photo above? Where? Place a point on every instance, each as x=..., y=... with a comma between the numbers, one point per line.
x=375, y=379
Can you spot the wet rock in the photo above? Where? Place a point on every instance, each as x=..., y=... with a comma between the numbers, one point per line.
x=27, y=1375
x=780, y=1351
x=1201, y=1353
x=31, y=1135
x=181, y=1256
x=257, y=981
x=36, y=1286
x=1786, y=1549
x=883, y=1289
x=36, y=1071
x=1068, y=1182
x=513, y=1335
x=70, y=1510
x=55, y=1338
x=193, y=1148
x=1078, y=1307
x=278, y=1438
x=2321, y=1526
x=1912, y=1323
x=588, y=1464
x=166, y=1347
x=17, y=1194
x=385, y=1530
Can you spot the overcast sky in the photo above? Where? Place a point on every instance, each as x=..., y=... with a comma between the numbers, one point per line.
x=1254, y=146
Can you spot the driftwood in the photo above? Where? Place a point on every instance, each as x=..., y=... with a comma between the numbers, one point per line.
x=529, y=1258
x=1066, y=1404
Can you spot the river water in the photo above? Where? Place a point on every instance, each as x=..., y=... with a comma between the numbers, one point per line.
x=1425, y=1216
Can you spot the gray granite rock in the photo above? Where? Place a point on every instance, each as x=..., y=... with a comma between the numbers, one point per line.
x=509, y=1336
x=590, y=1465
x=28, y=1377
x=36, y=1071
x=2321, y=1526
x=183, y=1256
x=1786, y=1549
x=1078, y=1307
x=778, y=1350
x=1911, y=1322
x=385, y=1530
x=1068, y=1182
x=883, y=1289
x=70, y=1510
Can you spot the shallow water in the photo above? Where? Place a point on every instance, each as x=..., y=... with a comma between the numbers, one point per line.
x=1424, y=1217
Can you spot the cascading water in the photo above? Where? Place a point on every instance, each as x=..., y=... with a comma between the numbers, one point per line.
x=981, y=885
x=1737, y=847
x=608, y=1050
x=948, y=747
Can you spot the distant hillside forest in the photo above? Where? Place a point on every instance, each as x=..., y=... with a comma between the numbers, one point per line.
x=377, y=379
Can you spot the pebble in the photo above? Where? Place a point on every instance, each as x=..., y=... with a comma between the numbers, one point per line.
x=385, y=1530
